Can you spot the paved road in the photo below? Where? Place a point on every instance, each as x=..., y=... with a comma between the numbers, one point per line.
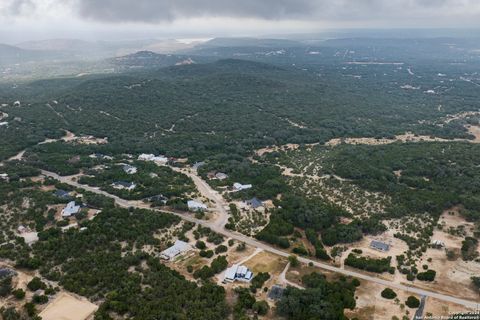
x=208, y=193
x=419, y=314
x=254, y=243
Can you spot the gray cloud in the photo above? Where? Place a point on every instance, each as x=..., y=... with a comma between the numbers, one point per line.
x=152, y=11
x=167, y=10
x=17, y=7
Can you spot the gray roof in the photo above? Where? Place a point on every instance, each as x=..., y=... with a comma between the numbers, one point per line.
x=61, y=193
x=255, y=202
x=4, y=273
x=276, y=292
x=197, y=165
x=380, y=245
x=124, y=183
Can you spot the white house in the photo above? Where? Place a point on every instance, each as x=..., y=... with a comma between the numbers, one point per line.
x=70, y=210
x=179, y=247
x=239, y=187
x=120, y=185
x=196, y=205
x=4, y=176
x=238, y=272
x=221, y=176
x=130, y=169
x=152, y=157
x=438, y=243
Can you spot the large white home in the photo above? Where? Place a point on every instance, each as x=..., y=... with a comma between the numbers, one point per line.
x=179, y=247
x=239, y=187
x=152, y=157
x=196, y=205
x=70, y=209
x=238, y=272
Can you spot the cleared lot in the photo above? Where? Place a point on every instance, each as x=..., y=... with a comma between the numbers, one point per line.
x=67, y=307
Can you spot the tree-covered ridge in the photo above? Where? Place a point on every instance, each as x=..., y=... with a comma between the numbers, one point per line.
x=234, y=106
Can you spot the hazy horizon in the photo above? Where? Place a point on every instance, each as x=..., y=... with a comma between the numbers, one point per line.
x=31, y=20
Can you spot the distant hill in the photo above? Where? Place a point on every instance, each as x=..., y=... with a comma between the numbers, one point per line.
x=149, y=59
x=56, y=45
x=11, y=55
x=104, y=49
x=249, y=42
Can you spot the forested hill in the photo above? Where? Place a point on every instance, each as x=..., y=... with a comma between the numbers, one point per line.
x=229, y=106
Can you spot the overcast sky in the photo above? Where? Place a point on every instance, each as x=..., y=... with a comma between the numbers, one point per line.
x=22, y=20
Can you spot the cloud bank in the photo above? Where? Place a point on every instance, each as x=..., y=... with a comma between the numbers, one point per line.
x=155, y=11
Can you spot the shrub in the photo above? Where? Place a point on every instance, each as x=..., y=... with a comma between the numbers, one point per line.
x=220, y=249
x=293, y=261
x=19, y=294
x=40, y=299
x=200, y=245
x=355, y=282
x=260, y=307
x=428, y=275
x=412, y=302
x=36, y=284
x=388, y=293
x=206, y=253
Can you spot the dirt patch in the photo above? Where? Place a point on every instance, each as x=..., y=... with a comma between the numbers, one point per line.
x=407, y=137
x=371, y=305
x=67, y=307
x=266, y=262
x=474, y=131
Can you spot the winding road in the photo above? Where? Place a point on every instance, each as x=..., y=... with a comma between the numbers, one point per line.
x=219, y=228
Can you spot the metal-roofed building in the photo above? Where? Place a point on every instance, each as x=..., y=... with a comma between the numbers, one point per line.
x=238, y=272
x=179, y=247
x=276, y=292
x=254, y=203
x=379, y=245
x=70, y=209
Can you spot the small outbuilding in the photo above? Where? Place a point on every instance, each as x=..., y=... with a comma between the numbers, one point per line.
x=62, y=194
x=276, y=292
x=438, y=243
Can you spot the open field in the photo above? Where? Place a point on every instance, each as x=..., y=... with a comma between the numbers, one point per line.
x=266, y=262
x=67, y=307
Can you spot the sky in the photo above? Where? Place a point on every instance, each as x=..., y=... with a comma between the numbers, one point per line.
x=24, y=20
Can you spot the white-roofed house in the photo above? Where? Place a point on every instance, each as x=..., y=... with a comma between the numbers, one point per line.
x=239, y=187
x=196, y=205
x=124, y=185
x=130, y=169
x=70, y=209
x=238, y=272
x=221, y=176
x=152, y=157
x=178, y=248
